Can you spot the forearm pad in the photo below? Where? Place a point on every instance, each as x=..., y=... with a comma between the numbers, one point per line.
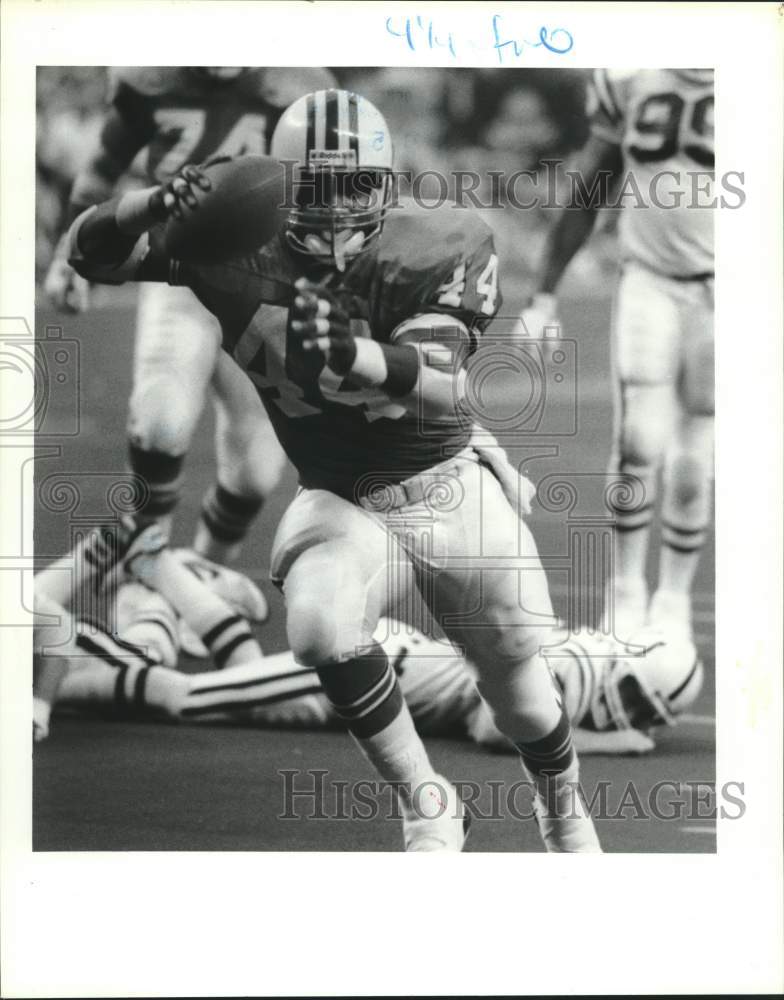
x=99, y=250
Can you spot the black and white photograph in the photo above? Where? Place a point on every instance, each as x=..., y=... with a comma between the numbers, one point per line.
x=447, y=518
x=370, y=472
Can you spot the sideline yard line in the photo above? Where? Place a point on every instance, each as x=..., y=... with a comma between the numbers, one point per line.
x=698, y=720
x=698, y=597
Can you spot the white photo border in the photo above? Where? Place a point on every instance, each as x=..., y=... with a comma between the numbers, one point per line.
x=232, y=924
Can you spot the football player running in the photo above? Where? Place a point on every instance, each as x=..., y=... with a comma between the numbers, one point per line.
x=652, y=143
x=355, y=324
x=179, y=115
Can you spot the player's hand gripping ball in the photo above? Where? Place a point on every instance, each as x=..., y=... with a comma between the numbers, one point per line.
x=223, y=209
x=321, y=321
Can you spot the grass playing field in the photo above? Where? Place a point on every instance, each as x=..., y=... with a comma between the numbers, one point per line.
x=105, y=785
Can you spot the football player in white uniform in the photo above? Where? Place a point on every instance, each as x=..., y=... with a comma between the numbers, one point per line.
x=612, y=698
x=651, y=150
x=89, y=612
x=166, y=117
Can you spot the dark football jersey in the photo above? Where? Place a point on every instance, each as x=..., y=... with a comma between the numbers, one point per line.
x=339, y=435
x=183, y=116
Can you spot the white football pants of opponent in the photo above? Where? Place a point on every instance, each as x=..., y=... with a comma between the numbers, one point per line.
x=178, y=361
x=663, y=357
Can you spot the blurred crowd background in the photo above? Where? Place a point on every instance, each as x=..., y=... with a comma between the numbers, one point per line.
x=442, y=120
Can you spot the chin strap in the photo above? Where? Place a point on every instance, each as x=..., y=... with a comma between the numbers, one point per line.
x=343, y=248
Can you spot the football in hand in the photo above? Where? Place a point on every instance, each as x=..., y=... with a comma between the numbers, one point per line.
x=243, y=210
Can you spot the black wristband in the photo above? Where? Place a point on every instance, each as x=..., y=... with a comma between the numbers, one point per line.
x=402, y=369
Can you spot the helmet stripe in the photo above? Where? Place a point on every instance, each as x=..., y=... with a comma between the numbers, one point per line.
x=310, y=112
x=353, y=124
x=332, y=120
x=342, y=119
x=320, y=120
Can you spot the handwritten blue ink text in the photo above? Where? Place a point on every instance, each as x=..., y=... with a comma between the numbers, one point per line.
x=421, y=34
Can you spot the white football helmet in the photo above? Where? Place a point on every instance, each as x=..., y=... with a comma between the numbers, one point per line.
x=653, y=688
x=338, y=148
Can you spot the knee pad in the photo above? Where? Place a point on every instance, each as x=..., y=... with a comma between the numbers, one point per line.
x=248, y=456
x=261, y=469
x=249, y=459
x=506, y=645
x=312, y=635
x=326, y=627
x=688, y=471
x=687, y=479
x=631, y=492
x=645, y=425
x=520, y=695
x=163, y=414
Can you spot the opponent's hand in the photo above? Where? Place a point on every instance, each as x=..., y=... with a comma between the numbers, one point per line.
x=176, y=197
x=615, y=743
x=517, y=488
x=66, y=290
x=540, y=319
x=319, y=319
x=41, y=715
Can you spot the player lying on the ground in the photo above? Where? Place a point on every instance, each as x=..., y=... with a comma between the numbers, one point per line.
x=612, y=698
x=85, y=608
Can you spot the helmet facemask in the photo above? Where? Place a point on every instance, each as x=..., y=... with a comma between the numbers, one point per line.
x=338, y=148
x=639, y=694
x=631, y=703
x=338, y=214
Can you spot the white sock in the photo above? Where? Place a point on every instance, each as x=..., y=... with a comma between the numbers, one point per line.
x=399, y=756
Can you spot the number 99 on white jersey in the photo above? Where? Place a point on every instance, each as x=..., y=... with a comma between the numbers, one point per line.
x=663, y=122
